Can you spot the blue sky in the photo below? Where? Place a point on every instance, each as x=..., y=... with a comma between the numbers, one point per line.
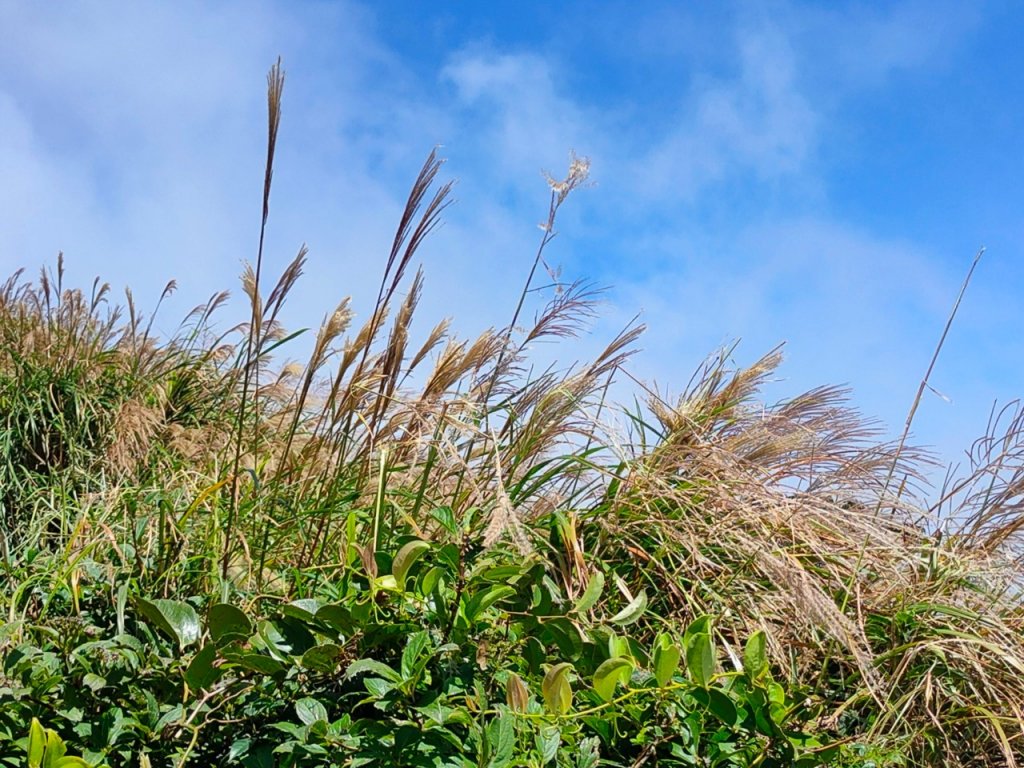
x=815, y=174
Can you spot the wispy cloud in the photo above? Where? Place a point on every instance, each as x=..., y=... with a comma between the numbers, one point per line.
x=132, y=139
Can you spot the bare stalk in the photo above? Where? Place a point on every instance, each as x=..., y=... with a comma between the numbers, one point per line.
x=924, y=382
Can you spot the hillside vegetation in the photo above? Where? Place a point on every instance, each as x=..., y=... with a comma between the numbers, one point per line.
x=427, y=553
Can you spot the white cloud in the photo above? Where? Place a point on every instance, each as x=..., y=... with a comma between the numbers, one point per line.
x=136, y=144
x=758, y=122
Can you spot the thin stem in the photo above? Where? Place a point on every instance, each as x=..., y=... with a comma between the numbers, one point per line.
x=924, y=382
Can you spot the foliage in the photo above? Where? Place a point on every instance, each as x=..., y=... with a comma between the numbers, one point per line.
x=459, y=658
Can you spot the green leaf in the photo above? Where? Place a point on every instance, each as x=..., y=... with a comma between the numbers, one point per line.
x=548, y=740
x=446, y=517
x=406, y=558
x=373, y=666
x=556, y=689
x=431, y=580
x=665, y=659
x=717, y=703
x=338, y=617
x=93, y=682
x=501, y=740
x=310, y=711
x=591, y=594
x=609, y=674
x=55, y=748
x=201, y=673
x=304, y=609
x=632, y=612
x=70, y=762
x=256, y=662
x=618, y=646
x=699, y=626
x=414, y=649
x=700, y=659
x=36, y=744
x=322, y=658
x=177, y=619
x=483, y=600
x=755, y=656
x=565, y=634
x=284, y=640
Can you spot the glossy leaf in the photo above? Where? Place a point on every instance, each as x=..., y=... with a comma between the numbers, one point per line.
x=481, y=601
x=755, y=656
x=36, y=744
x=310, y=711
x=256, y=662
x=373, y=666
x=700, y=659
x=665, y=659
x=201, y=672
x=305, y=609
x=556, y=689
x=227, y=622
x=632, y=612
x=177, y=619
x=406, y=558
x=591, y=594
x=699, y=626
x=322, y=658
x=609, y=674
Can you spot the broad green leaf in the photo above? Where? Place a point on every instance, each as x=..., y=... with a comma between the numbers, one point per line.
x=322, y=658
x=256, y=662
x=618, y=646
x=517, y=695
x=565, y=634
x=305, y=608
x=201, y=673
x=414, y=649
x=501, y=741
x=55, y=748
x=274, y=640
x=700, y=659
x=177, y=619
x=665, y=659
x=446, y=517
x=36, y=744
x=755, y=655
x=481, y=601
x=718, y=704
x=547, y=741
x=406, y=557
x=338, y=617
x=387, y=583
x=632, y=612
x=699, y=626
x=373, y=666
x=591, y=594
x=310, y=711
x=556, y=689
x=431, y=580
x=93, y=682
x=227, y=623
x=722, y=707
x=70, y=762
x=609, y=674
